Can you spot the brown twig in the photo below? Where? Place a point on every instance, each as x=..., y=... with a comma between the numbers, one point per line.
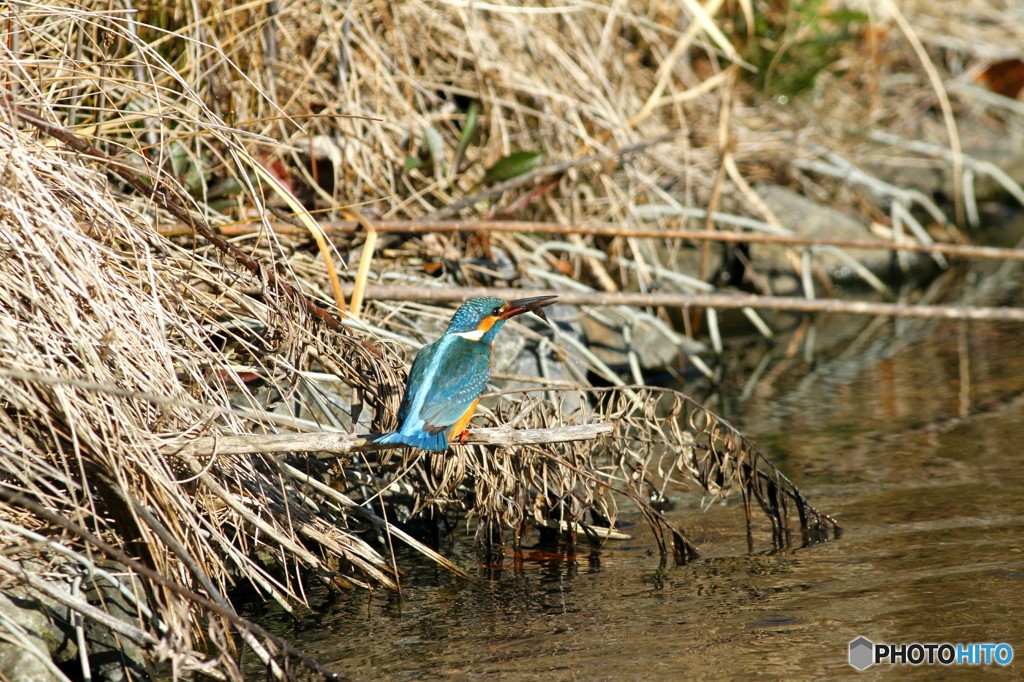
x=470, y=226
x=720, y=301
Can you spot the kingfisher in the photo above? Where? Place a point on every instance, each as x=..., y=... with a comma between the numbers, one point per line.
x=448, y=375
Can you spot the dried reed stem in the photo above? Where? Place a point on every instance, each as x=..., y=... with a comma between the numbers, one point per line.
x=369, y=245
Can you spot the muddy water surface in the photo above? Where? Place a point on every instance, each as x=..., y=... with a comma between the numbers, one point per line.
x=914, y=444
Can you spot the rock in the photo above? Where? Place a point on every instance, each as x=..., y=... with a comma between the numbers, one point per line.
x=808, y=218
x=111, y=657
x=655, y=350
x=24, y=619
x=46, y=626
x=998, y=143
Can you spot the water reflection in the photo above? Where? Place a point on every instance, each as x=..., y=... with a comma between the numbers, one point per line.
x=916, y=451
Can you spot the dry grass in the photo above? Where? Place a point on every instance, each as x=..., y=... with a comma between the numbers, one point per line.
x=121, y=338
x=117, y=342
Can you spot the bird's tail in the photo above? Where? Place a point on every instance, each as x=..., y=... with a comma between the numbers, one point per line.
x=437, y=442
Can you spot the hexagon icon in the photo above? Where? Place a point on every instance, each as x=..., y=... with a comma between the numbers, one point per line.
x=862, y=653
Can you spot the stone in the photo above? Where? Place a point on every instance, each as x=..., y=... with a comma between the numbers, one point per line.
x=654, y=349
x=808, y=218
x=45, y=625
x=24, y=619
x=111, y=657
x=983, y=140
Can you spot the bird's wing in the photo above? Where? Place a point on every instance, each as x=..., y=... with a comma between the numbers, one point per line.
x=450, y=390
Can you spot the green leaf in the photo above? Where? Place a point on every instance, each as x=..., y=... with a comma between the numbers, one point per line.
x=195, y=177
x=223, y=188
x=468, y=131
x=180, y=158
x=412, y=163
x=846, y=16
x=512, y=166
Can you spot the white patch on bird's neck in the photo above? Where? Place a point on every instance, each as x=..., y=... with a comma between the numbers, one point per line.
x=474, y=335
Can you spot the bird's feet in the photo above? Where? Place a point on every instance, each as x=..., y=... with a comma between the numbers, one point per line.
x=463, y=437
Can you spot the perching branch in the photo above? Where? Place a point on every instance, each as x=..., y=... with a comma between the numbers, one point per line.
x=343, y=443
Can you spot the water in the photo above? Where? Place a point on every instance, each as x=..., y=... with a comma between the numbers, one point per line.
x=912, y=442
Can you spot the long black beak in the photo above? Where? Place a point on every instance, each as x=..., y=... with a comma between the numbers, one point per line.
x=527, y=305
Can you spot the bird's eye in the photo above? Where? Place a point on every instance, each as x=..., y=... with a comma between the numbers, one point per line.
x=496, y=311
